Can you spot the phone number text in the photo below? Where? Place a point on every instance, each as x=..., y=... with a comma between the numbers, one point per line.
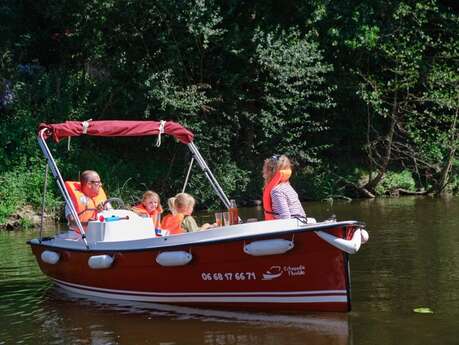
x=229, y=276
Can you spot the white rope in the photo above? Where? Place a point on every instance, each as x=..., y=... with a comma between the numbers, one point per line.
x=161, y=131
x=85, y=126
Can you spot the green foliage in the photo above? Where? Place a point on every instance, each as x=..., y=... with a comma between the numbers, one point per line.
x=367, y=36
x=410, y=85
x=204, y=22
x=324, y=181
x=40, y=96
x=434, y=129
x=292, y=74
x=394, y=180
x=232, y=179
x=315, y=184
x=24, y=185
x=319, y=81
x=163, y=89
x=454, y=183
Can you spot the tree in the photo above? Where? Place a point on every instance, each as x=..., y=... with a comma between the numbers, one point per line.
x=400, y=85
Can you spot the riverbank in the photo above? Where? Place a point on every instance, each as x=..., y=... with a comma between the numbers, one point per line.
x=26, y=217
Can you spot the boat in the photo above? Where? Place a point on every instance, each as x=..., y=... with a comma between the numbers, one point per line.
x=286, y=265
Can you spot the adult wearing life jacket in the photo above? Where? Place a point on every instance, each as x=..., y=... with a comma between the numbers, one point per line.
x=87, y=196
x=280, y=200
x=150, y=207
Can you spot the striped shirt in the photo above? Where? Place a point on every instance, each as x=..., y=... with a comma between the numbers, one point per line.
x=285, y=201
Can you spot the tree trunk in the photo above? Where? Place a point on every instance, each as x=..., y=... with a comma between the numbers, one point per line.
x=373, y=183
x=445, y=172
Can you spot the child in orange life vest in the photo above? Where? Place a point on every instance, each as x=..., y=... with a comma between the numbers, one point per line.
x=150, y=207
x=168, y=221
x=183, y=221
x=184, y=204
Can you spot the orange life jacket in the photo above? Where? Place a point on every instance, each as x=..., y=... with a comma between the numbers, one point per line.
x=173, y=223
x=84, y=205
x=155, y=215
x=279, y=177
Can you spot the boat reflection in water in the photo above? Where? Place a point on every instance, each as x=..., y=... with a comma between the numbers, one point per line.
x=105, y=321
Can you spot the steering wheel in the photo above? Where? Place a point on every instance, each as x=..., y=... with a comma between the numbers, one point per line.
x=118, y=201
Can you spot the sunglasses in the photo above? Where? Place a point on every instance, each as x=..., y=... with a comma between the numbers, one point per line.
x=275, y=158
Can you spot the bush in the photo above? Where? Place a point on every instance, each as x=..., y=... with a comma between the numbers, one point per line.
x=24, y=185
x=231, y=178
x=316, y=183
x=394, y=180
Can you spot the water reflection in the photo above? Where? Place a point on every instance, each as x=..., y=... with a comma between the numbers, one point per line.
x=100, y=321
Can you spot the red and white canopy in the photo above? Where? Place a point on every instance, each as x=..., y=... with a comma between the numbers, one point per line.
x=116, y=128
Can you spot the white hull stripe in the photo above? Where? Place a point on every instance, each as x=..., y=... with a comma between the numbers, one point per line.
x=225, y=297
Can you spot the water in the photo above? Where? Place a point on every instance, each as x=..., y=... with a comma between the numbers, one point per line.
x=411, y=261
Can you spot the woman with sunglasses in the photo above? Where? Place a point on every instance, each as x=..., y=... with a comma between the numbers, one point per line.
x=280, y=200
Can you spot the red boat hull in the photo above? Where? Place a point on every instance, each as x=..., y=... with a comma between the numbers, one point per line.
x=313, y=276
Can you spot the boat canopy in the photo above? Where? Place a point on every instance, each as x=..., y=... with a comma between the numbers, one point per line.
x=119, y=128
x=115, y=128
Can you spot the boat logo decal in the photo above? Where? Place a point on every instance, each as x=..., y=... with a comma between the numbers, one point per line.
x=272, y=273
x=295, y=270
x=276, y=271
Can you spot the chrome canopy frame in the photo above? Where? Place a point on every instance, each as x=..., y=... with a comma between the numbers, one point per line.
x=60, y=181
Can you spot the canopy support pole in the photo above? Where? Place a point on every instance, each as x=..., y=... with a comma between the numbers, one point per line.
x=188, y=175
x=205, y=168
x=43, y=201
x=60, y=183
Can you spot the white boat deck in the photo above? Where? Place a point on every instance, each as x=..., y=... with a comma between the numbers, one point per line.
x=137, y=233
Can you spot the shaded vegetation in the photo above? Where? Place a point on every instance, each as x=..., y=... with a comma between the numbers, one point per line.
x=364, y=96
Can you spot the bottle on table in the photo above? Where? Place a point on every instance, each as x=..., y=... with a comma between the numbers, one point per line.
x=233, y=211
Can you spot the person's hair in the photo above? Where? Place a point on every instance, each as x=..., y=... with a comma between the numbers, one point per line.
x=150, y=194
x=183, y=201
x=170, y=203
x=276, y=163
x=86, y=175
x=284, y=163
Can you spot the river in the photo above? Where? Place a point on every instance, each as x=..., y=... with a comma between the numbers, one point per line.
x=411, y=261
